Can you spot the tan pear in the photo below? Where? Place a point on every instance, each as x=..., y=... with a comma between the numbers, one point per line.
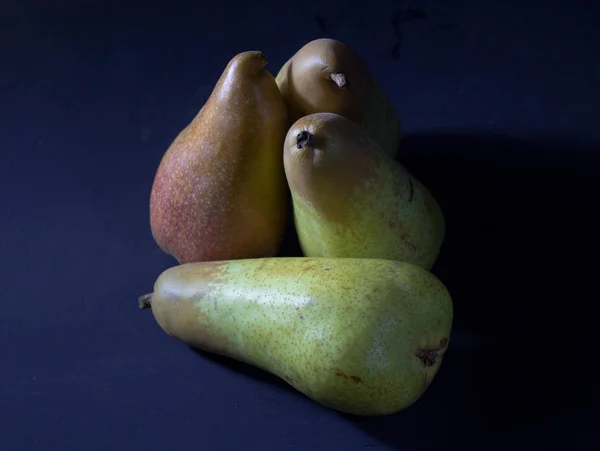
x=327, y=76
x=220, y=192
x=362, y=336
x=352, y=200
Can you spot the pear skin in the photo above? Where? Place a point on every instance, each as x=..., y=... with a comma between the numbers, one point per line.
x=368, y=348
x=327, y=76
x=220, y=192
x=350, y=199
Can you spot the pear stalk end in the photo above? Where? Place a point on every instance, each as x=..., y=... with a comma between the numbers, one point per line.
x=340, y=80
x=145, y=301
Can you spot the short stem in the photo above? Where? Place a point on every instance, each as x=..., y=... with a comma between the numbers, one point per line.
x=340, y=80
x=145, y=301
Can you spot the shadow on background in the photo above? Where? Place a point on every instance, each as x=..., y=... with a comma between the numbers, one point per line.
x=521, y=241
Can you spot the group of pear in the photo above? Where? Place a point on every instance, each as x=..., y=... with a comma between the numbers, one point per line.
x=358, y=323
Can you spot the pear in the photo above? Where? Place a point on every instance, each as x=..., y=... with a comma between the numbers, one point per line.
x=350, y=199
x=368, y=348
x=219, y=192
x=327, y=76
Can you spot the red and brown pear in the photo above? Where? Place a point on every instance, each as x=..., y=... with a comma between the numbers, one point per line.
x=220, y=191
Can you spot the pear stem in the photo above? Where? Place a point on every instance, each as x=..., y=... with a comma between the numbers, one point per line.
x=145, y=301
x=340, y=80
x=304, y=139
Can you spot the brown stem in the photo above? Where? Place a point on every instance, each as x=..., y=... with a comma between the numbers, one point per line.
x=145, y=301
x=340, y=80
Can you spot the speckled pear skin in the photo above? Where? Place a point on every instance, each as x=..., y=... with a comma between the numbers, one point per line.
x=350, y=199
x=220, y=192
x=306, y=83
x=362, y=336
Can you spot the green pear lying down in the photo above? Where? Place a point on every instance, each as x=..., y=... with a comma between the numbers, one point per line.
x=362, y=336
x=352, y=200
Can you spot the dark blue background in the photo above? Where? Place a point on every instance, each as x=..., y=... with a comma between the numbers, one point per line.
x=500, y=103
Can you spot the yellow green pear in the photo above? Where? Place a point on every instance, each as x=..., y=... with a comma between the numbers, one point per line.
x=350, y=199
x=362, y=336
x=219, y=192
x=327, y=76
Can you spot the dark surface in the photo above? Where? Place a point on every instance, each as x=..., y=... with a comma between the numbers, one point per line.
x=500, y=104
